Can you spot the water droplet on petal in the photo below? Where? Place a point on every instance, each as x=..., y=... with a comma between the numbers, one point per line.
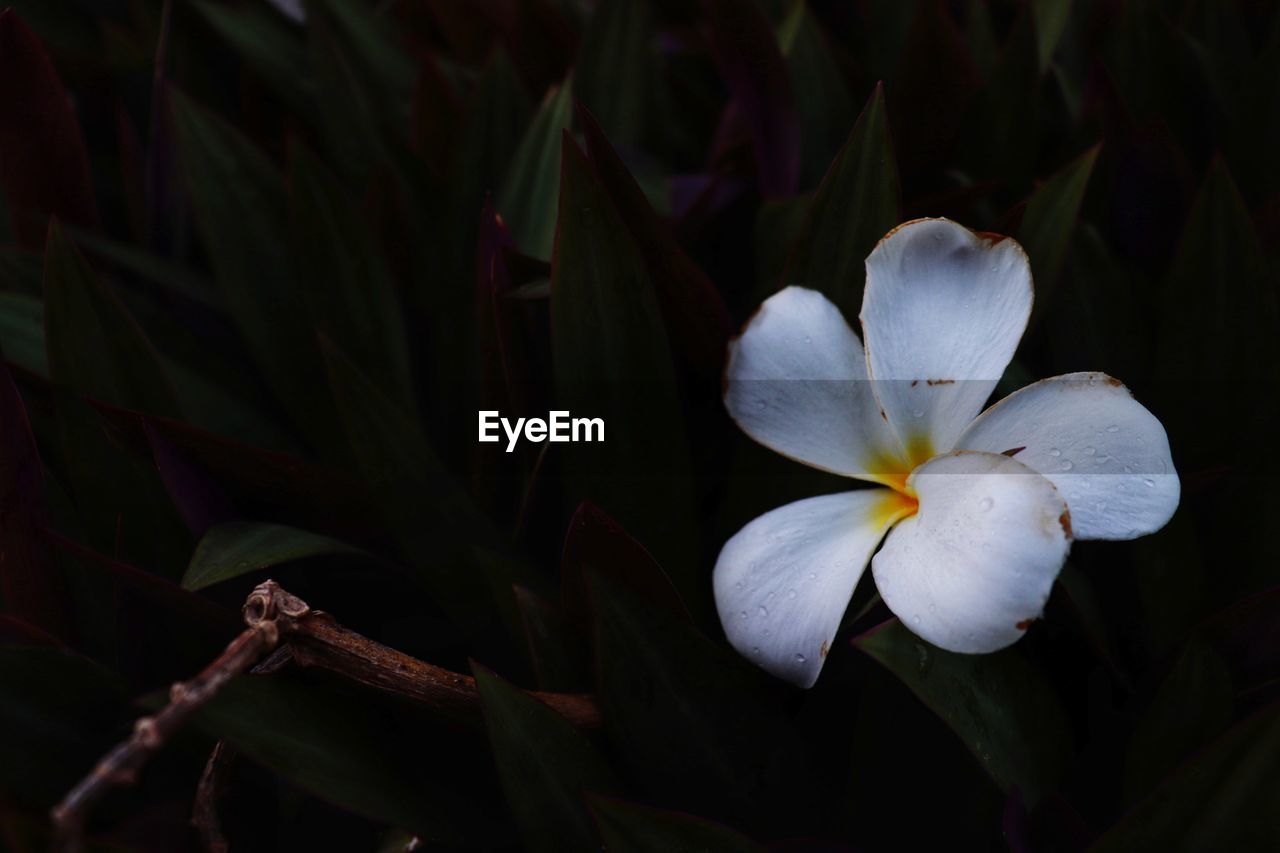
x=933, y=608
x=916, y=619
x=799, y=658
x=791, y=593
x=918, y=413
x=1150, y=484
x=743, y=614
x=1089, y=451
x=1066, y=465
x=1113, y=428
x=986, y=504
x=808, y=339
x=1055, y=452
x=763, y=611
x=813, y=576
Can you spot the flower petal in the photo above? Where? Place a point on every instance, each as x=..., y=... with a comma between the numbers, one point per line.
x=943, y=311
x=973, y=568
x=783, y=581
x=1108, y=455
x=797, y=383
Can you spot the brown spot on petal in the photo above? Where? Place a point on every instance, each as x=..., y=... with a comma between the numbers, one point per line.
x=883, y=415
x=1065, y=521
x=933, y=382
x=1024, y=624
x=992, y=237
x=1014, y=451
x=822, y=652
x=1114, y=383
x=915, y=382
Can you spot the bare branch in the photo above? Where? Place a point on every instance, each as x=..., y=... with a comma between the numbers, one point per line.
x=314, y=638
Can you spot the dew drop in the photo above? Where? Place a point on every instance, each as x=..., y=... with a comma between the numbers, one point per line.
x=986, y=504
x=755, y=650
x=743, y=614
x=799, y=658
x=808, y=339
x=1113, y=428
x=813, y=576
x=916, y=619
x=1089, y=451
x=738, y=585
x=918, y=413
x=791, y=593
x=1150, y=484
x=1055, y=452
x=1066, y=465
x=763, y=611
x=933, y=608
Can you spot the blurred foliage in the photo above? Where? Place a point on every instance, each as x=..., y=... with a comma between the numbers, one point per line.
x=257, y=274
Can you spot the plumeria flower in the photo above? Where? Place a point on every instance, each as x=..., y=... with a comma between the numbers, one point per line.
x=980, y=509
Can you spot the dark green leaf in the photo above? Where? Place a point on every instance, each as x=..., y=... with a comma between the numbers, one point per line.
x=1225, y=798
x=692, y=719
x=822, y=96
x=999, y=705
x=1051, y=18
x=22, y=332
x=613, y=361
x=94, y=346
x=632, y=828
x=546, y=766
x=856, y=205
x=530, y=193
x=1049, y=221
x=58, y=713
x=1192, y=706
x=351, y=751
x=345, y=282
x=235, y=548
x=242, y=210
x=558, y=659
x=613, y=76
x=443, y=537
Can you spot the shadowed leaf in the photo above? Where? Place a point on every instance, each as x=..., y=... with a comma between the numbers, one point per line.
x=95, y=347
x=856, y=205
x=1049, y=222
x=235, y=548
x=546, y=766
x=999, y=705
x=530, y=193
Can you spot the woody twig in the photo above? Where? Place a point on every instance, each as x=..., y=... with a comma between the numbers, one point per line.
x=275, y=617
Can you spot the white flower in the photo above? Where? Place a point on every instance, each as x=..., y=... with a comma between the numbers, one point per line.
x=983, y=507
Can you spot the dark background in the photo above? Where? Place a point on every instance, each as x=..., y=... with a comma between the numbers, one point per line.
x=257, y=277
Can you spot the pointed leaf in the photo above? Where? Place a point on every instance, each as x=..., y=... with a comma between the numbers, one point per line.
x=612, y=361
x=530, y=193
x=999, y=705
x=44, y=168
x=345, y=282
x=546, y=766
x=241, y=210
x=856, y=205
x=692, y=308
x=823, y=100
x=235, y=548
x=95, y=347
x=1049, y=221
